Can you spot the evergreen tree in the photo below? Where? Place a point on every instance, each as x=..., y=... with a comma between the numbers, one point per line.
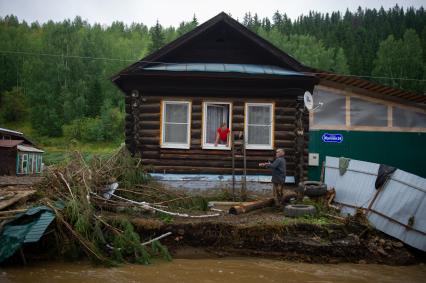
x=94, y=99
x=401, y=58
x=157, y=37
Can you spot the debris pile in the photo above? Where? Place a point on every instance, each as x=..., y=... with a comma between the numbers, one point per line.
x=76, y=192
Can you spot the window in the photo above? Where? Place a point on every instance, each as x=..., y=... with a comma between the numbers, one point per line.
x=333, y=108
x=176, y=124
x=367, y=113
x=406, y=118
x=24, y=163
x=214, y=115
x=258, y=126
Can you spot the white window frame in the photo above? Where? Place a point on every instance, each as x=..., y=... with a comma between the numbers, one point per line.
x=24, y=158
x=246, y=124
x=206, y=145
x=164, y=144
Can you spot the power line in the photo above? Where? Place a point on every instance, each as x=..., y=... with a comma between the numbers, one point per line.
x=64, y=56
x=170, y=63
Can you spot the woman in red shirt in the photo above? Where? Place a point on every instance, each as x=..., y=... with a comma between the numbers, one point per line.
x=222, y=135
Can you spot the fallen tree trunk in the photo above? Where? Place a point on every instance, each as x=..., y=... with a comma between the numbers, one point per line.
x=247, y=207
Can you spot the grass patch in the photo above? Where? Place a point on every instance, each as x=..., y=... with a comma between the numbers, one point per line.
x=309, y=219
x=56, y=149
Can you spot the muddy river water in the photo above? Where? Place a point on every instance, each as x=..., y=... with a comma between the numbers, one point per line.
x=214, y=270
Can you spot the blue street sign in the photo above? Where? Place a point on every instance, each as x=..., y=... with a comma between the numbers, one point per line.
x=334, y=138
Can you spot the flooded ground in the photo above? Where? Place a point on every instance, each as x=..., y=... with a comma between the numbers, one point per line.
x=215, y=270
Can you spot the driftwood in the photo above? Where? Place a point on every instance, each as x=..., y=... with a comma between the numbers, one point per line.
x=247, y=207
x=157, y=238
x=18, y=195
x=7, y=212
x=150, y=207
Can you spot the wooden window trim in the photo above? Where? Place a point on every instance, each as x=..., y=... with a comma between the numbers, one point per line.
x=163, y=144
x=204, y=145
x=390, y=116
x=348, y=111
x=271, y=141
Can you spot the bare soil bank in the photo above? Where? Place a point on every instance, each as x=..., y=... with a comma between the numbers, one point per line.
x=267, y=234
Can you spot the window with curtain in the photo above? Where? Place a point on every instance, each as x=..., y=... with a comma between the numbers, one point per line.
x=215, y=113
x=176, y=124
x=258, y=126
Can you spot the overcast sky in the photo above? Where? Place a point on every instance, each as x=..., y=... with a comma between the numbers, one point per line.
x=170, y=12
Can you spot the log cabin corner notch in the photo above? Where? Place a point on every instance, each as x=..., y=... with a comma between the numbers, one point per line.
x=218, y=72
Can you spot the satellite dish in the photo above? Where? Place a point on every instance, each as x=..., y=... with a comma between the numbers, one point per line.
x=308, y=100
x=135, y=93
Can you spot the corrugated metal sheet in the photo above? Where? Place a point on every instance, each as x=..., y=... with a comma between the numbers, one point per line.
x=27, y=148
x=402, y=198
x=39, y=227
x=27, y=227
x=7, y=131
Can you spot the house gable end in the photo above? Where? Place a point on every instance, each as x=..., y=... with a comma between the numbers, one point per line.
x=219, y=40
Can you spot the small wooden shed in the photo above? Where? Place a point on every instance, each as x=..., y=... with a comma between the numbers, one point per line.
x=178, y=96
x=18, y=155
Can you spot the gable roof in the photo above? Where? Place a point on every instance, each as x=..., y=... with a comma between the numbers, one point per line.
x=281, y=57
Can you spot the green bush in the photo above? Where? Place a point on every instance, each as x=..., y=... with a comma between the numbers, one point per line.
x=92, y=130
x=108, y=127
x=113, y=124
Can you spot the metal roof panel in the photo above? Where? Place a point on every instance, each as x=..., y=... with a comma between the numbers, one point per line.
x=224, y=68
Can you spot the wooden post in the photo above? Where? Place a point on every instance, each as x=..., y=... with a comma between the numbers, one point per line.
x=233, y=167
x=22, y=256
x=243, y=183
x=322, y=172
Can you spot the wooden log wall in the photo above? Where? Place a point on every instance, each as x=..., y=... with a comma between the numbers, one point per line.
x=143, y=137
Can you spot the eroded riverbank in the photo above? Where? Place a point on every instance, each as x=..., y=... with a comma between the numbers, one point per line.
x=269, y=234
x=229, y=270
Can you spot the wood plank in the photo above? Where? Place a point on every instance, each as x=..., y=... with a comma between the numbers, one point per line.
x=150, y=133
x=285, y=127
x=209, y=162
x=149, y=116
x=210, y=157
